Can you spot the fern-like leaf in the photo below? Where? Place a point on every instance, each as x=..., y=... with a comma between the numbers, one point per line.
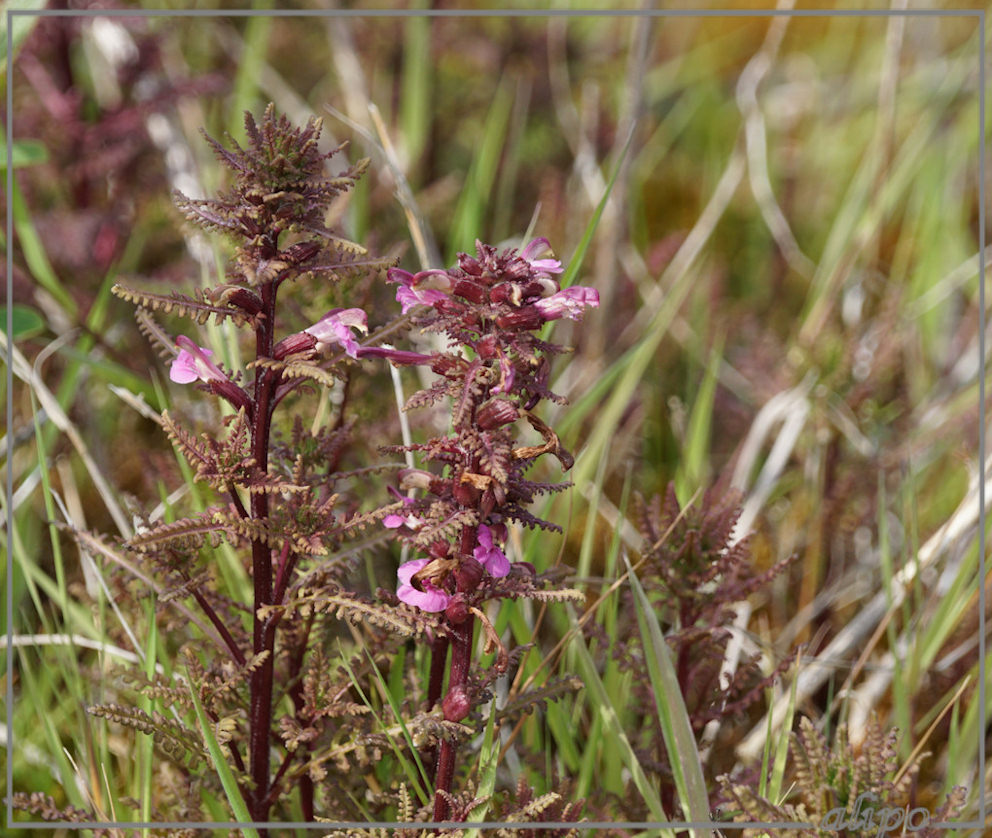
x=538, y=698
x=198, y=308
x=173, y=738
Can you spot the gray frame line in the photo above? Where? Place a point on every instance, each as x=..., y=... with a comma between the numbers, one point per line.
x=388, y=13
x=480, y=13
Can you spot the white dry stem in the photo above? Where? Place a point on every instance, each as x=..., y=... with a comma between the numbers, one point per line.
x=728, y=668
x=790, y=408
x=849, y=639
x=137, y=402
x=53, y=410
x=757, y=147
x=22, y=492
x=76, y=640
x=947, y=285
x=73, y=512
x=92, y=575
x=420, y=231
x=614, y=520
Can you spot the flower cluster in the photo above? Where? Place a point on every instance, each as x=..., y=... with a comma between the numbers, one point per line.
x=489, y=306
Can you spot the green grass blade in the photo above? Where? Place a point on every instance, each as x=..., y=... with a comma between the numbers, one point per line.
x=691, y=473
x=234, y=798
x=782, y=747
x=600, y=702
x=251, y=65
x=35, y=255
x=468, y=218
x=415, y=108
x=578, y=256
x=147, y=761
x=683, y=754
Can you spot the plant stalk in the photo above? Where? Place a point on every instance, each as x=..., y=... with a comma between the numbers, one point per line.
x=263, y=634
x=461, y=660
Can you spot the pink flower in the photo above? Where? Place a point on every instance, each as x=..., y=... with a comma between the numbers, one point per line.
x=395, y=521
x=430, y=598
x=424, y=288
x=539, y=245
x=193, y=364
x=489, y=555
x=335, y=328
x=410, y=297
x=568, y=303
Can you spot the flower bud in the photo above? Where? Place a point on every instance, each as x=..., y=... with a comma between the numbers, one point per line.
x=469, y=574
x=466, y=494
x=501, y=293
x=456, y=704
x=517, y=269
x=300, y=342
x=495, y=413
x=447, y=365
x=242, y=298
x=301, y=252
x=457, y=610
x=439, y=549
x=469, y=290
x=525, y=319
x=230, y=391
x=469, y=264
x=449, y=306
x=488, y=503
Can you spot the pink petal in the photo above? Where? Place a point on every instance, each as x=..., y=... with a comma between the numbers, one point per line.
x=183, y=369
x=568, y=303
x=193, y=363
x=334, y=327
x=489, y=555
x=536, y=246
x=429, y=599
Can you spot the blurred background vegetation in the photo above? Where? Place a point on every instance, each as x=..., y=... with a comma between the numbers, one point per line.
x=786, y=252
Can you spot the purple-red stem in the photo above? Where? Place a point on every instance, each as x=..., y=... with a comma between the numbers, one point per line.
x=296, y=694
x=439, y=663
x=263, y=634
x=461, y=660
x=229, y=641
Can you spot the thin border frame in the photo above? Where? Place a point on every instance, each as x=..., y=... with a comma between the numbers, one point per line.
x=979, y=14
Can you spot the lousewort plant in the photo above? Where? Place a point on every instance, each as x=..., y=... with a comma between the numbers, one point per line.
x=495, y=373
x=280, y=508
